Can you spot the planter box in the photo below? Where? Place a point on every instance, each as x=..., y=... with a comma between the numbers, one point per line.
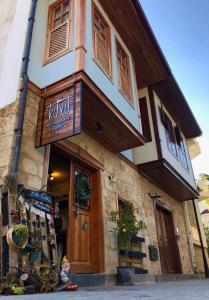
x=138, y=239
x=140, y=271
x=125, y=275
x=132, y=254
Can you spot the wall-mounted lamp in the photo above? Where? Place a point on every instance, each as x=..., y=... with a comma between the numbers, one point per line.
x=99, y=128
x=112, y=178
x=154, y=195
x=51, y=177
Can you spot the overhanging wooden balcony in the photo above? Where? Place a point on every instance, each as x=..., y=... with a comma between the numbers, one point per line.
x=162, y=174
x=97, y=115
x=105, y=122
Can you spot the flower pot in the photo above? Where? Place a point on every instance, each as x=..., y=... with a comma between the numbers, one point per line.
x=12, y=241
x=125, y=275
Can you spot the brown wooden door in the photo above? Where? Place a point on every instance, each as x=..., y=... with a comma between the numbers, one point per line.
x=169, y=253
x=85, y=227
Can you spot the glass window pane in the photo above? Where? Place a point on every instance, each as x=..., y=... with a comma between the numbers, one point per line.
x=57, y=22
x=65, y=17
x=66, y=7
x=82, y=189
x=57, y=12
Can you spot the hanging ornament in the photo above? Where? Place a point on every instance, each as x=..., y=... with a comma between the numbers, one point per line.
x=34, y=222
x=43, y=224
x=24, y=221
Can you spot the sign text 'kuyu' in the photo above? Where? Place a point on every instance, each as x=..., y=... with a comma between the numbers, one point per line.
x=59, y=116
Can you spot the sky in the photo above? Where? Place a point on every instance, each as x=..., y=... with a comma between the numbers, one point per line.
x=182, y=30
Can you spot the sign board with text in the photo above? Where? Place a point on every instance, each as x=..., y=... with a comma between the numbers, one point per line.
x=59, y=116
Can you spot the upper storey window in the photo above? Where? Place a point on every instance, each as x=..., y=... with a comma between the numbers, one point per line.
x=124, y=81
x=102, y=46
x=59, y=29
x=169, y=132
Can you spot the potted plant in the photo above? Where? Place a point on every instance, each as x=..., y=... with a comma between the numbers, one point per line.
x=17, y=236
x=126, y=229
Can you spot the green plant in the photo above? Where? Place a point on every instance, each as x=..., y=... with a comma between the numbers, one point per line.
x=17, y=290
x=126, y=225
x=20, y=234
x=14, y=189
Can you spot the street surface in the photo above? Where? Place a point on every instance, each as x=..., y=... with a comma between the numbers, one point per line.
x=173, y=290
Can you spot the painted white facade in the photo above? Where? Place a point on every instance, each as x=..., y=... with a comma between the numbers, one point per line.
x=173, y=161
x=108, y=86
x=40, y=74
x=148, y=152
x=44, y=75
x=13, y=23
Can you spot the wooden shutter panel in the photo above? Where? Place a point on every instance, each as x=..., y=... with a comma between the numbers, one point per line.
x=125, y=84
x=163, y=117
x=145, y=119
x=102, y=54
x=58, y=40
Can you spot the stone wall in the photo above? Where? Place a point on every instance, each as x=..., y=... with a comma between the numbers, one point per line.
x=129, y=185
x=7, y=126
x=31, y=159
x=135, y=188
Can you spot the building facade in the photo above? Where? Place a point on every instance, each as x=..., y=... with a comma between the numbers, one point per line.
x=103, y=106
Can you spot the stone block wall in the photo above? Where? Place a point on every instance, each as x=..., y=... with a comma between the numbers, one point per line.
x=7, y=125
x=31, y=160
x=129, y=185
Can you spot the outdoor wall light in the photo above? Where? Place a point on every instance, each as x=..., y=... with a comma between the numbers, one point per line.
x=99, y=128
x=51, y=177
x=154, y=195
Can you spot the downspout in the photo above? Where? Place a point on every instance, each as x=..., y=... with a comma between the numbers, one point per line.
x=23, y=88
x=201, y=241
x=189, y=234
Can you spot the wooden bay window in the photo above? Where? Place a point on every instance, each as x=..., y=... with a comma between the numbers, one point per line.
x=123, y=65
x=145, y=119
x=101, y=39
x=59, y=29
x=169, y=132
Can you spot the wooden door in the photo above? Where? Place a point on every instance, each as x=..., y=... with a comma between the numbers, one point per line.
x=81, y=233
x=169, y=253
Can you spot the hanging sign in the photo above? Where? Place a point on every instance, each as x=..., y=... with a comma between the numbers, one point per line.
x=42, y=207
x=38, y=196
x=59, y=116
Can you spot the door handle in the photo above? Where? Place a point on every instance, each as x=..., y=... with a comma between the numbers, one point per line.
x=84, y=226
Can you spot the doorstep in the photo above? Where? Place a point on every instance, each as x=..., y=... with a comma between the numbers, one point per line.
x=90, y=280
x=166, y=277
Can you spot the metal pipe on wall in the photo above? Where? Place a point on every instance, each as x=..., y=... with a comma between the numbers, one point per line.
x=23, y=87
x=189, y=234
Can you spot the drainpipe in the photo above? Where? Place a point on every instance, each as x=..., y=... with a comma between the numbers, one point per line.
x=23, y=88
x=189, y=234
x=201, y=241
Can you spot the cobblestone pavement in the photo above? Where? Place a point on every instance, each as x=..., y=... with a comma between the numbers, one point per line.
x=181, y=290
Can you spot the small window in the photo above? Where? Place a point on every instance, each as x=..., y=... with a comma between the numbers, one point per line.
x=59, y=30
x=181, y=148
x=169, y=132
x=145, y=119
x=123, y=64
x=101, y=38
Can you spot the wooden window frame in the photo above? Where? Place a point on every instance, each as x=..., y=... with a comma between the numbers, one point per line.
x=181, y=148
x=145, y=119
x=108, y=33
x=69, y=47
x=129, y=99
x=169, y=132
